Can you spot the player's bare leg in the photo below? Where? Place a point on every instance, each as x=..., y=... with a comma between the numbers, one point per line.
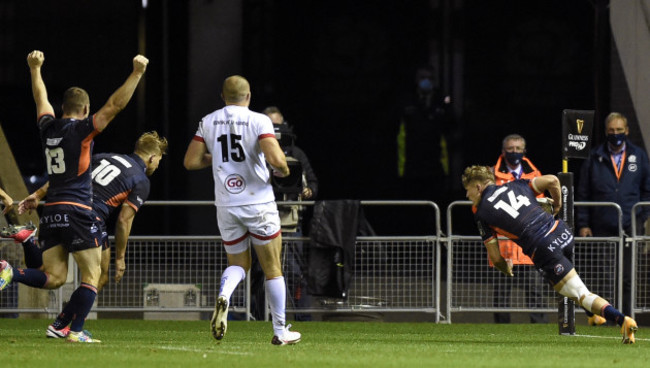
x=269, y=255
x=83, y=298
x=55, y=264
x=572, y=286
x=105, y=265
x=90, y=274
x=239, y=264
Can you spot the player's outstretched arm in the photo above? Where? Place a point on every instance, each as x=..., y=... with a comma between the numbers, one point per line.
x=274, y=156
x=35, y=61
x=31, y=201
x=122, y=231
x=197, y=156
x=7, y=201
x=505, y=266
x=121, y=97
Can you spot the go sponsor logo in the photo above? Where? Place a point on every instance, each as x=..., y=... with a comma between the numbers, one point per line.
x=235, y=184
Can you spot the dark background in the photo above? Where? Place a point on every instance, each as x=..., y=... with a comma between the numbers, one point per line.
x=337, y=70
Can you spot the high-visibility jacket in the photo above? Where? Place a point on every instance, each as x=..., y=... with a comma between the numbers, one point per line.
x=508, y=248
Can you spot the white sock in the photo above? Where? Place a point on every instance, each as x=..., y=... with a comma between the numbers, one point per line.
x=230, y=278
x=276, y=294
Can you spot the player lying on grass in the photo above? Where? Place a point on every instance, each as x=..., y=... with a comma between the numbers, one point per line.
x=512, y=210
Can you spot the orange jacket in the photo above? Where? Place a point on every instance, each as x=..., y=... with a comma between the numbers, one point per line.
x=508, y=248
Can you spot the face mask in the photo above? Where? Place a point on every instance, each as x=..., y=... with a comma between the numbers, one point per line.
x=616, y=139
x=425, y=85
x=514, y=158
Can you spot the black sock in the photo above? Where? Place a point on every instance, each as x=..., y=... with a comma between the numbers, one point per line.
x=33, y=254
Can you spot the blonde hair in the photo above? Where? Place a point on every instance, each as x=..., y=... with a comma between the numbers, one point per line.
x=482, y=174
x=235, y=88
x=74, y=100
x=151, y=143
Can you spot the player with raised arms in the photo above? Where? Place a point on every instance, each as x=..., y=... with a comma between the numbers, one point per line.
x=68, y=224
x=120, y=181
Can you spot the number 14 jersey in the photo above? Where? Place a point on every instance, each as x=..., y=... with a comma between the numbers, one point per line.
x=512, y=211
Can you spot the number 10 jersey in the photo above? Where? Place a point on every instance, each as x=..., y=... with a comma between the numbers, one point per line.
x=118, y=179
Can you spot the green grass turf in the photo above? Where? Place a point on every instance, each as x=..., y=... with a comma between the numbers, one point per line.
x=137, y=343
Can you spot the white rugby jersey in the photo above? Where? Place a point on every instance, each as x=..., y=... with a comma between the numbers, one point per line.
x=232, y=136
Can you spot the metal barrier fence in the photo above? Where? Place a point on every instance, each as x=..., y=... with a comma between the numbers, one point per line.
x=182, y=274
x=640, y=280
x=172, y=274
x=473, y=286
x=167, y=275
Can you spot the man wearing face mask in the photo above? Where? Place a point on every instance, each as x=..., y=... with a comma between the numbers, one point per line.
x=512, y=165
x=615, y=171
x=422, y=156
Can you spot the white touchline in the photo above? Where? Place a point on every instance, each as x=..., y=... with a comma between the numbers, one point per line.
x=218, y=351
x=607, y=337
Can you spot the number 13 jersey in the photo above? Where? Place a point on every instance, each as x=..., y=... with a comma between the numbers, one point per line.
x=68, y=145
x=232, y=136
x=512, y=211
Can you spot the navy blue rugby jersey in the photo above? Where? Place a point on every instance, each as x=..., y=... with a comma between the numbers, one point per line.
x=68, y=145
x=512, y=211
x=118, y=179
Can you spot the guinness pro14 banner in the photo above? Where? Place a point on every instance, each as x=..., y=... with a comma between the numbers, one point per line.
x=576, y=132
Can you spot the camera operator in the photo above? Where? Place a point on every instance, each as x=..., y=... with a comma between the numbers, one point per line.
x=284, y=133
x=300, y=184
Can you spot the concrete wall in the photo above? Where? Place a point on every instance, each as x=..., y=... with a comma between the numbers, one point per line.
x=214, y=53
x=630, y=25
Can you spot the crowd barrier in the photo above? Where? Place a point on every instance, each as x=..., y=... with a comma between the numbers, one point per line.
x=473, y=284
x=640, y=282
x=177, y=277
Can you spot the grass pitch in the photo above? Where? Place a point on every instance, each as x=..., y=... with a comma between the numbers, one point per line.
x=137, y=343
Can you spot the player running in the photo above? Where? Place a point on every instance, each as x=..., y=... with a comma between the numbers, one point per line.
x=512, y=211
x=237, y=143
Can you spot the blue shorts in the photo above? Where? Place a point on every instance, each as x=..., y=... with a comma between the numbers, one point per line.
x=104, y=242
x=75, y=228
x=553, y=256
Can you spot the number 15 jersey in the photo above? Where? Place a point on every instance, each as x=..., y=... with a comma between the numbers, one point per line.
x=232, y=136
x=512, y=211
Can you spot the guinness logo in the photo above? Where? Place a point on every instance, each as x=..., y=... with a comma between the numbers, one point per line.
x=580, y=124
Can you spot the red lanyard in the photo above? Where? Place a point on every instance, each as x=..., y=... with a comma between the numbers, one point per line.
x=618, y=169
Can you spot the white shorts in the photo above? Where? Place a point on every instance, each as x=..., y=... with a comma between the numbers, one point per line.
x=236, y=223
